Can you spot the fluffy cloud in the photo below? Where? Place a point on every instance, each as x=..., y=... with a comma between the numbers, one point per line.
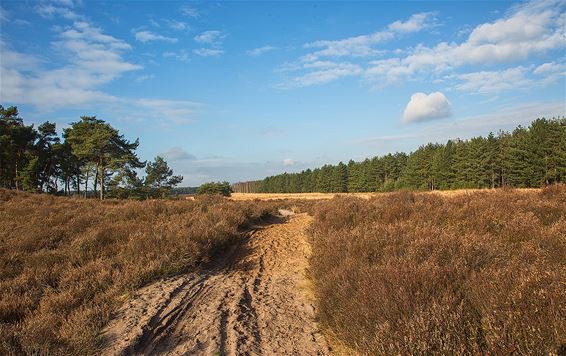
x=423, y=107
x=148, y=36
x=528, y=29
x=362, y=46
x=93, y=59
x=550, y=68
x=531, y=28
x=415, y=23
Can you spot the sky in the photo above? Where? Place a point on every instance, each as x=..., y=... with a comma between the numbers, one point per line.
x=242, y=90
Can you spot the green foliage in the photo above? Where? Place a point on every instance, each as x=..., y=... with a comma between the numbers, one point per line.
x=102, y=148
x=159, y=178
x=215, y=188
x=17, y=143
x=526, y=158
x=93, y=154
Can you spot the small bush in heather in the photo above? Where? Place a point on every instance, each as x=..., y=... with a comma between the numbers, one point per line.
x=215, y=188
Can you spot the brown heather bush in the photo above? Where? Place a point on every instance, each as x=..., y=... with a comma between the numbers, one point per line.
x=483, y=273
x=67, y=264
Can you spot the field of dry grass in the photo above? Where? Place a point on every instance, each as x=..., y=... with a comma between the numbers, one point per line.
x=67, y=264
x=459, y=272
x=479, y=273
x=326, y=196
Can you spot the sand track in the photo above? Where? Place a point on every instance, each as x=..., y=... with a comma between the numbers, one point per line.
x=254, y=300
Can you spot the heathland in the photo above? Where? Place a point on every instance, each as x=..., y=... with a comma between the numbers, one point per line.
x=367, y=271
x=479, y=272
x=66, y=264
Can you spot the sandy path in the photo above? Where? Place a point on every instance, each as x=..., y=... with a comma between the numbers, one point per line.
x=256, y=301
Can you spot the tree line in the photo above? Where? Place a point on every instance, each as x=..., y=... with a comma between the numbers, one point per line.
x=527, y=157
x=91, y=157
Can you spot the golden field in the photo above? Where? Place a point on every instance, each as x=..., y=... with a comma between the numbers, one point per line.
x=325, y=196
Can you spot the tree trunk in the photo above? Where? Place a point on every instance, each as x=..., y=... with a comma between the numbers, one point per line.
x=95, y=179
x=101, y=181
x=16, y=176
x=79, y=184
x=86, y=183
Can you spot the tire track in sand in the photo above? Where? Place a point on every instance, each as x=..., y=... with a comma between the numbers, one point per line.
x=253, y=301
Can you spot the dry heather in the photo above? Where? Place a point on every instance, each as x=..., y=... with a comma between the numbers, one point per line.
x=481, y=273
x=67, y=264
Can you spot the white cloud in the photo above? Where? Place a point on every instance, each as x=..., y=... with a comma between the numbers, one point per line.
x=261, y=50
x=143, y=78
x=526, y=30
x=288, y=162
x=363, y=45
x=529, y=29
x=356, y=47
x=177, y=25
x=415, y=23
x=182, y=55
x=189, y=11
x=178, y=154
x=550, y=72
x=321, y=72
x=92, y=60
x=3, y=15
x=485, y=82
x=208, y=52
x=210, y=37
x=147, y=36
x=359, y=46
x=175, y=111
x=21, y=22
x=69, y=3
x=550, y=68
x=48, y=10
x=423, y=107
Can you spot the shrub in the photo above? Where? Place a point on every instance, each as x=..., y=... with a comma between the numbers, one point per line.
x=215, y=188
x=408, y=273
x=66, y=264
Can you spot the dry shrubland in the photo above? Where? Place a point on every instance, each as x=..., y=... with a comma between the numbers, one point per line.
x=66, y=264
x=479, y=273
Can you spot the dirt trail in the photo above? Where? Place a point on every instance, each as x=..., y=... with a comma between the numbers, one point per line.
x=256, y=301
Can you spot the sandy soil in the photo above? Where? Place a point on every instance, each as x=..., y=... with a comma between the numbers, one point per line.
x=257, y=300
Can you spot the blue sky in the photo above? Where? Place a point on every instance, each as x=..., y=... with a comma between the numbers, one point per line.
x=241, y=90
